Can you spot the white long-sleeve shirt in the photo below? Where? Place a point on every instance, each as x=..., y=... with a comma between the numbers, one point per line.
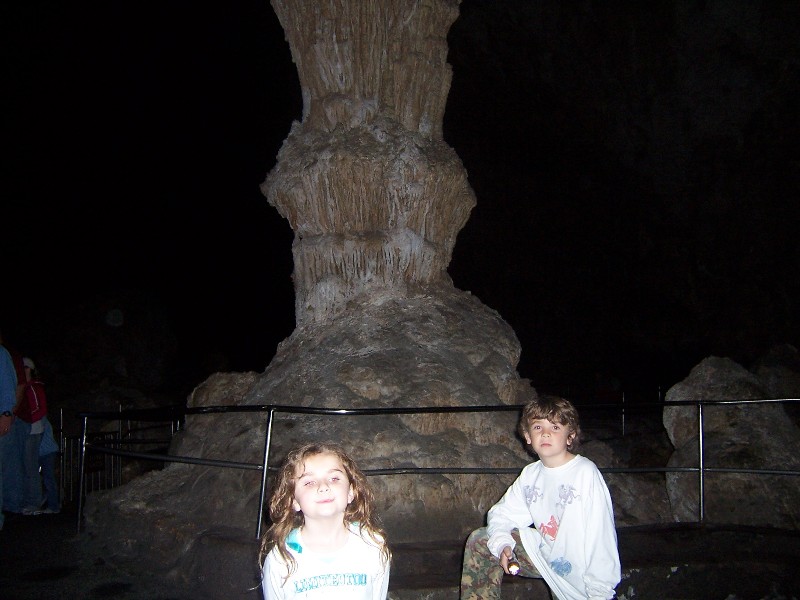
x=355, y=572
x=574, y=545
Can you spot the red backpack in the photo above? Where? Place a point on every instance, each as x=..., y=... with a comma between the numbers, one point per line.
x=34, y=403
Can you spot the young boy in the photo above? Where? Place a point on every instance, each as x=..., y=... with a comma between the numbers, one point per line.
x=573, y=541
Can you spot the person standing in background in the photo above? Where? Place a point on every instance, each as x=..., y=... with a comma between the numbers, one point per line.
x=28, y=429
x=8, y=398
x=48, y=451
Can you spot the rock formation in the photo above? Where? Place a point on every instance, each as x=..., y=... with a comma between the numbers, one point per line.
x=376, y=199
x=741, y=436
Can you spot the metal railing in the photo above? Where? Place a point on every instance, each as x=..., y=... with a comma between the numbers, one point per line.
x=105, y=471
x=176, y=415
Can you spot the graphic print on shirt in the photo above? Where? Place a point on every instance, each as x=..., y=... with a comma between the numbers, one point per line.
x=561, y=566
x=566, y=494
x=532, y=494
x=330, y=580
x=549, y=530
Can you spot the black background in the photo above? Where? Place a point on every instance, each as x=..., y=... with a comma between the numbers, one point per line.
x=636, y=167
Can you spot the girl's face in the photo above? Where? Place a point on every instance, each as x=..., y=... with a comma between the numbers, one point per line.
x=321, y=488
x=549, y=441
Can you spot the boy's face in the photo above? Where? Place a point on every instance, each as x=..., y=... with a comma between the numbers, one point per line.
x=549, y=441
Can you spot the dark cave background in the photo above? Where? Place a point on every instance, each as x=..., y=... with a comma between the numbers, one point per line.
x=636, y=167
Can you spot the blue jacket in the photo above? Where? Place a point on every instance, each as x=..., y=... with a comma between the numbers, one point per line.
x=8, y=381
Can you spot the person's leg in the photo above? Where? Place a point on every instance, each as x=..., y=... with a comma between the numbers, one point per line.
x=48, y=464
x=526, y=567
x=4, y=443
x=13, y=484
x=30, y=465
x=481, y=573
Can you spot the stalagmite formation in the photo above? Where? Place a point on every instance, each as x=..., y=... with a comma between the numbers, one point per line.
x=373, y=193
x=376, y=199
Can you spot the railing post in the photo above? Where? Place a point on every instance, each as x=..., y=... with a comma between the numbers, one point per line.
x=81, y=471
x=264, y=467
x=702, y=472
x=116, y=461
x=61, y=459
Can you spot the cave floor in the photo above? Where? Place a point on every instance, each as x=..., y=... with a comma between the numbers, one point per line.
x=42, y=558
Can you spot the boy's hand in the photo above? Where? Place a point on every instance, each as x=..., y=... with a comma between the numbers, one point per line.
x=506, y=556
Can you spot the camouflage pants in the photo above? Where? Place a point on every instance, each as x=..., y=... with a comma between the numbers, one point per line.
x=481, y=574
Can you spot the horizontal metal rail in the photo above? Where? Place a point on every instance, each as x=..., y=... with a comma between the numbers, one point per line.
x=177, y=413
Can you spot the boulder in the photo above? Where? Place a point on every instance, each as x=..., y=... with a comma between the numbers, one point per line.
x=735, y=436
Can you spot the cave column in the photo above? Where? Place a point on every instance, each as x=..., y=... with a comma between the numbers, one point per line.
x=374, y=195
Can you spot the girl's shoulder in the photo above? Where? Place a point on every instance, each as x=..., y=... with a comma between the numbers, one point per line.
x=294, y=542
x=367, y=535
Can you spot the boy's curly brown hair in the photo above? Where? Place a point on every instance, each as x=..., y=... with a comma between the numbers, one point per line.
x=555, y=410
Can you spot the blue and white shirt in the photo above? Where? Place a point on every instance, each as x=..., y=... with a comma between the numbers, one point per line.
x=355, y=572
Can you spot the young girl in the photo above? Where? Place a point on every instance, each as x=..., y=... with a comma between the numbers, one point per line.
x=325, y=541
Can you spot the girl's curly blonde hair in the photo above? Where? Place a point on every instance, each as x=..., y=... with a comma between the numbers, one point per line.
x=359, y=512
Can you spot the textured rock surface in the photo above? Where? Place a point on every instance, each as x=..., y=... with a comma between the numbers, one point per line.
x=743, y=436
x=376, y=200
x=374, y=195
x=440, y=348
x=413, y=352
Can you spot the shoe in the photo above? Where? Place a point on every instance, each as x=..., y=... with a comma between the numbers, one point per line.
x=50, y=511
x=31, y=511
